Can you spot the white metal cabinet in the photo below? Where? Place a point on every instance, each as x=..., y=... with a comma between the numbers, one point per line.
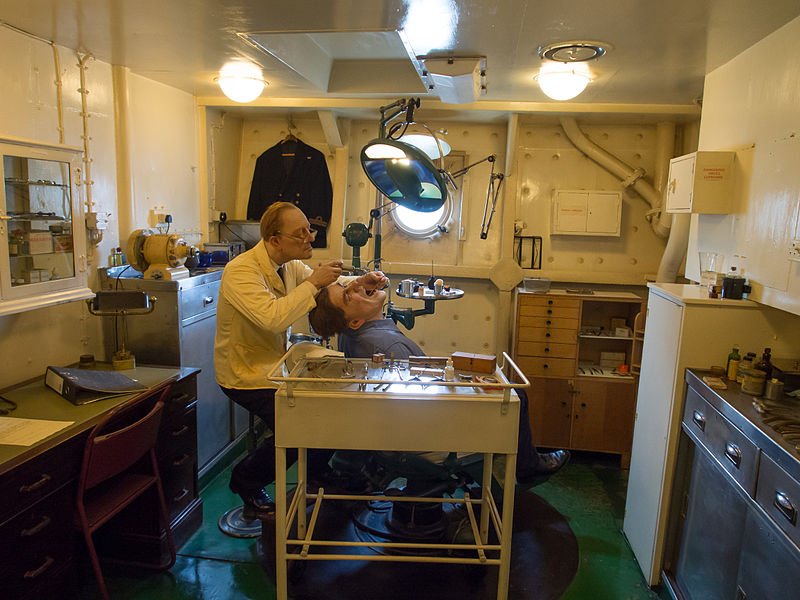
x=684, y=329
x=700, y=182
x=583, y=212
x=42, y=234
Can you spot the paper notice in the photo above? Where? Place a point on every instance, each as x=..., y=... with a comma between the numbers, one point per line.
x=26, y=432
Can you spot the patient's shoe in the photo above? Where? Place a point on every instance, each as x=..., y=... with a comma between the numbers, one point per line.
x=549, y=463
x=257, y=505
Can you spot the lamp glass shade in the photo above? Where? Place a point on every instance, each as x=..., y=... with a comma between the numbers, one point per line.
x=561, y=81
x=427, y=143
x=404, y=174
x=241, y=82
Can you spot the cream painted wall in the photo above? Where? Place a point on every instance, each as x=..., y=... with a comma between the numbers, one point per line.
x=752, y=105
x=164, y=156
x=163, y=165
x=547, y=161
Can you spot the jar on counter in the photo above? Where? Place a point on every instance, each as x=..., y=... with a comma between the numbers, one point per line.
x=745, y=364
x=754, y=381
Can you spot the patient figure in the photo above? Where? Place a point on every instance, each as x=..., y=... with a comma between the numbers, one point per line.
x=357, y=315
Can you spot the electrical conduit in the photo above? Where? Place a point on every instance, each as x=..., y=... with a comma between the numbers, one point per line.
x=662, y=223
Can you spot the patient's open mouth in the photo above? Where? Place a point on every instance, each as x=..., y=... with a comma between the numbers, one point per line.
x=370, y=292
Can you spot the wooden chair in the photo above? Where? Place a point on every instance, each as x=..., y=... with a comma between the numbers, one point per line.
x=119, y=464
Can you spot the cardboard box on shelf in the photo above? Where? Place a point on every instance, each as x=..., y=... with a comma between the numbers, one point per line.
x=480, y=363
x=39, y=242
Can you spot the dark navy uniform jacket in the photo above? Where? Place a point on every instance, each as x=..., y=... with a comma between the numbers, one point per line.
x=301, y=179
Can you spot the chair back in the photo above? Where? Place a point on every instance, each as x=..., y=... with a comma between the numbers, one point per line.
x=115, y=444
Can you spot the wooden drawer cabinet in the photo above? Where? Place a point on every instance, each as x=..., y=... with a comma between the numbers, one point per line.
x=37, y=542
x=563, y=343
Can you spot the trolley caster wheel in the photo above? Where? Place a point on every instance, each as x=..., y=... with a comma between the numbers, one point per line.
x=296, y=570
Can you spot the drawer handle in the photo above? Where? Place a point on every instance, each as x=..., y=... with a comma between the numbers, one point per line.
x=549, y=301
x=784, y=504
x=208, y=300
x=547, y=349
x=180, y=496
x=179, y=398
x=699, y=420
x=549, y=311
x=548, y=322
x=25, y=489
x=181, y=431
x=179, y=461
x=547, y=335
x=733, y=454
x=545, y=365
x=36, y=528
x=48, y=562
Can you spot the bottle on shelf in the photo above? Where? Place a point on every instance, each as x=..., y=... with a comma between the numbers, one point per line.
x=746, y=363
x=733, y=363
x=449, y=371
x=765, y=363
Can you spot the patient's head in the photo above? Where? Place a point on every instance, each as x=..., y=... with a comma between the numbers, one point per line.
x=340, y=307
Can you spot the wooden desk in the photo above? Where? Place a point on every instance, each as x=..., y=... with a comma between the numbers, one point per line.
x=37, y=485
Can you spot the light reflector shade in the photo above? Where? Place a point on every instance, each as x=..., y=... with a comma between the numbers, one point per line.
x=427, y=144
x=404, y=174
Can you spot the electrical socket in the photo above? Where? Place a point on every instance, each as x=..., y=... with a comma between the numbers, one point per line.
x=97, y=221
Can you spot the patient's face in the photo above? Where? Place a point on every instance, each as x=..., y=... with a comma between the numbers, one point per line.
x=357, y=302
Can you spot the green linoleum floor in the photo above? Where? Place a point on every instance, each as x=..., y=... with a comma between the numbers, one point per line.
x=590, y=492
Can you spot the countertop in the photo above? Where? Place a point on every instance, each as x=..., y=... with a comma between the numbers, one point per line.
x=694, y=294
x=36, y=401
x=737, y=407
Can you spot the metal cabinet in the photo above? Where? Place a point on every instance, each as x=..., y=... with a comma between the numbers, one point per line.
x=180, y=332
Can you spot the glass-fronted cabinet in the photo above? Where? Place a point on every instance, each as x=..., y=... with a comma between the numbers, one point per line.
x=42, y=239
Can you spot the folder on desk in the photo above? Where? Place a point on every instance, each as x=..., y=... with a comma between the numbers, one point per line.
x=81, y=386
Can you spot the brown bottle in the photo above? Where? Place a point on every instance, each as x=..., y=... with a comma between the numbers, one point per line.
x=764, y=364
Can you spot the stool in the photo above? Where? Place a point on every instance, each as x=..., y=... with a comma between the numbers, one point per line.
x=231, y=522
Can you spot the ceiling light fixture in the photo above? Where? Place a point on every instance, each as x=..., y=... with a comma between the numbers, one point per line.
x=241, y=81
x=564, y=75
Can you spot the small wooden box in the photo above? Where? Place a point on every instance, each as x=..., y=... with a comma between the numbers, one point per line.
x=480, y=363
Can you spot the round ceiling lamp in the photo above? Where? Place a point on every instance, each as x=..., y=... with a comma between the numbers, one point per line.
x=568, y=75
x=241, y=81
x=434, y=147
x=561, y=81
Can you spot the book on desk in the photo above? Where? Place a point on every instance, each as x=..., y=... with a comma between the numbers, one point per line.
x=81, y=386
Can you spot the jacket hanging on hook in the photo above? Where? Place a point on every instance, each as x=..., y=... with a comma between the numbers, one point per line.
x=301, y=179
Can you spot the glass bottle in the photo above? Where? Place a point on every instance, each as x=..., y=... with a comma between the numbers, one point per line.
x=746, y=363
x=733, y=363
x=765, y=363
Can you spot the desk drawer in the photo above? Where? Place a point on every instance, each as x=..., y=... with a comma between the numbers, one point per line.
x=546, y=349
x=528, y=300
x=534, y=366
x=551, y=322
x=199, y=299
x=779, y=495
x=182, y=394
x=545, y=334
x=40, y=476
x=37, y=543
x=550, y=311
x=737, y=454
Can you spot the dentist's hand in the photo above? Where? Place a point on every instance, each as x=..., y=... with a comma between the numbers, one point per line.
x=374, y=280
x=326, y=273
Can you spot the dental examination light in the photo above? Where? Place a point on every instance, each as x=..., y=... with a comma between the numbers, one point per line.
x=406, y=176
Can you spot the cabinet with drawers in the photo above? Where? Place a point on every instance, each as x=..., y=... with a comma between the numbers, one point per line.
x=572, y=347
x=38, y=545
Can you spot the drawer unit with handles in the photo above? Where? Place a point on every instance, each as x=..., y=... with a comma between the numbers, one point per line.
x=779, y=495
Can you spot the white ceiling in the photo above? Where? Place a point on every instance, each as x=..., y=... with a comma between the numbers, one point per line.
x=661, y=51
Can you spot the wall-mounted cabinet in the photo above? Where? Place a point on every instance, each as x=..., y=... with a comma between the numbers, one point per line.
x=578, y=350
x=42, y=240
x=586, y=212
x=700, y=182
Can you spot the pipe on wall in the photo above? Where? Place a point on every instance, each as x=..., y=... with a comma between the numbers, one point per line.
x=662, y=223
